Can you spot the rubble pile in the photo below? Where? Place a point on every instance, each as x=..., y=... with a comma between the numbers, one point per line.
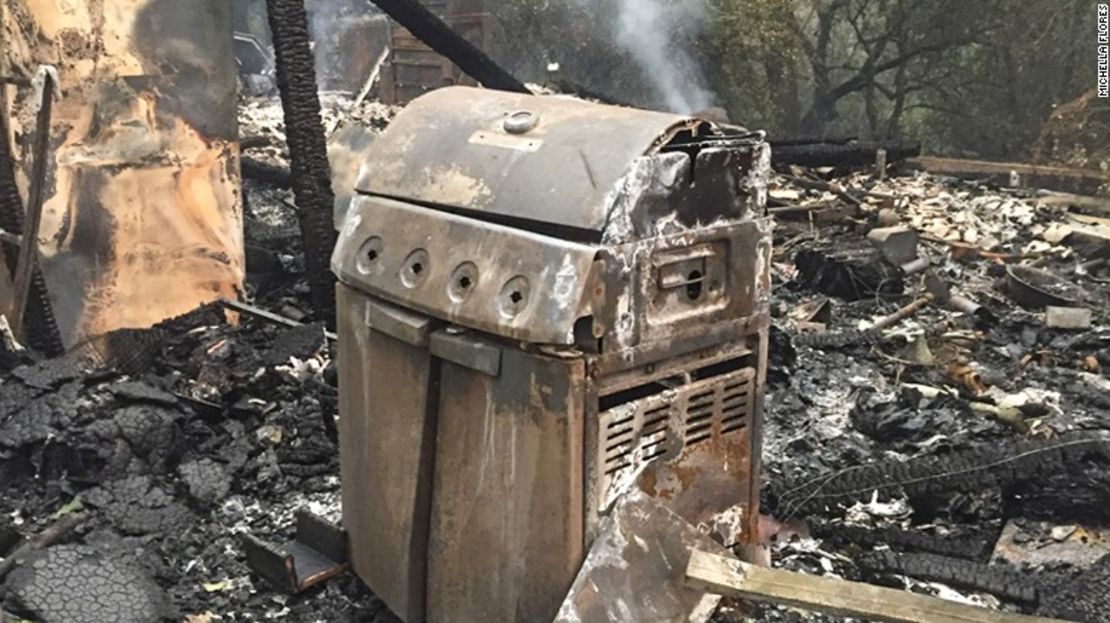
x=227, y=432
x=947, y=451
x=930, y=423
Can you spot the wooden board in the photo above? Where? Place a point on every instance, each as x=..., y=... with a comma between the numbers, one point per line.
x=730, y=577
x=956, y=166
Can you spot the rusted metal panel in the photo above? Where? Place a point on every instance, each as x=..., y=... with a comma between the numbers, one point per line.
x=636, y=569
x=142, y=219
x=683, y=435
x=449, y=266
x=387, y=444
x=507, y=515
x=674, y=426
x=548, y=159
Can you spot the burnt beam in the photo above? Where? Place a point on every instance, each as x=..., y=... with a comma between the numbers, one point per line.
x=432, y=30
x=308, y=154
x=837, y=154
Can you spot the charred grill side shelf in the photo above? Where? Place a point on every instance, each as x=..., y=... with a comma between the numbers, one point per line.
x=517, y=350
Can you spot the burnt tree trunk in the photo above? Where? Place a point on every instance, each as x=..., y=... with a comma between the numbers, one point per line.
x=308, y=155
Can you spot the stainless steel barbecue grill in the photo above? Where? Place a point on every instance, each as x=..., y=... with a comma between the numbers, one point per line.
x=543, y=304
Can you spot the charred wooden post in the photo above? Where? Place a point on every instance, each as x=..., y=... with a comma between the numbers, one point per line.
x=308, y=152
x=432, y=30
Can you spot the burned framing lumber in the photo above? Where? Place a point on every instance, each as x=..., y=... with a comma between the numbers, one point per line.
x=432, y=30
x=955, y=166
x=308, y=154
x=1000, y=467
x=1082, y=181
x=999, y=580
x=732, y=578
x=827, y=154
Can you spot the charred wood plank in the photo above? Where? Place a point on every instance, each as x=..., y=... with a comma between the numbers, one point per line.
x=1081, y=181
x=432, y=30
x=970, y=547
x=836, y=340
x=1003, y=467
x=732, y=578
x=958, y=167
x=998, y=580
x=855, y=154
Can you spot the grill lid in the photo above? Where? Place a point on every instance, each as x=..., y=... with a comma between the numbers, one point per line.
x=546, y=159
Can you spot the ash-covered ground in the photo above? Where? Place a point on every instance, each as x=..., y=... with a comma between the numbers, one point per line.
x=968, y=437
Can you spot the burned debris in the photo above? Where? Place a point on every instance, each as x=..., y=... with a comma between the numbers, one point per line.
x=446, y=346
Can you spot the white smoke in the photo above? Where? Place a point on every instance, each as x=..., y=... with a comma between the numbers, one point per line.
x=647, y=30
x=326, y=28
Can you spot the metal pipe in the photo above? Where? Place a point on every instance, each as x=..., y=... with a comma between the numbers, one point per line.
x=40, y=325
x=917, y=266
x=28, y=249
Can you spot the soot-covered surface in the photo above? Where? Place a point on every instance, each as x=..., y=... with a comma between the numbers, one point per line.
x=224, y=434
x=927, y=438
x=218, y=429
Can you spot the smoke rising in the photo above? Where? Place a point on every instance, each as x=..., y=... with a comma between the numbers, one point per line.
x=325, y=22
x=648, y=31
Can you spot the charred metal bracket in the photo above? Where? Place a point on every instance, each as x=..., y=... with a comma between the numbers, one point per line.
x=467, y=352
x=317, y=553
x=412, y=329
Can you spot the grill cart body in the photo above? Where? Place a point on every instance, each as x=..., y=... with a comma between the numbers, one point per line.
x=543, y=303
